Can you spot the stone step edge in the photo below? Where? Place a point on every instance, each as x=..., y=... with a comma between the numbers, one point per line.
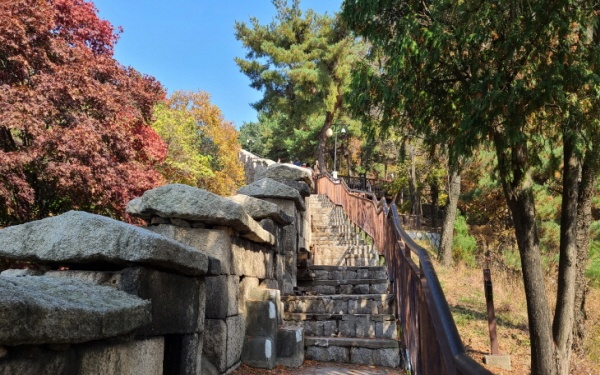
x=350, y=342
x=340, y=282
x=347, y=268
x=381, y=297
x=296, y=317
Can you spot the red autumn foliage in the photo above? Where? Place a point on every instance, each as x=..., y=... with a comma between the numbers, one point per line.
x=74, y=130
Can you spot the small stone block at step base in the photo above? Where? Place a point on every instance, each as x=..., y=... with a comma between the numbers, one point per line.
x=290, y=346
x=497, y=360
x=328, y=354
x=261, y=319
x=375, y=357
x=259, y=352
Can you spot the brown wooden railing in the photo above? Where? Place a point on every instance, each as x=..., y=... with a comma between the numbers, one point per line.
x=428, y=331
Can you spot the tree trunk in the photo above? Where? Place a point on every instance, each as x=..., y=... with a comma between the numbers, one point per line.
x=562, y=326
x=584, y=219
x=435, y=196
x=415, y=200
x=445, y=251
x=516, y=184
x=321, y=148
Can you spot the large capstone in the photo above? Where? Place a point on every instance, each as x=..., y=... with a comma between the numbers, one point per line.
x=60, y=310
x=178, y=201
x=283, y=171
x=269, y=188
x=81, y=237
x=260, y=209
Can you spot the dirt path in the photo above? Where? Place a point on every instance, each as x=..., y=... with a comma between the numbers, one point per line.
x=320, y=368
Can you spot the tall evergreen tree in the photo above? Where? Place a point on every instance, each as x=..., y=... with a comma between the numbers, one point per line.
x=302, y=64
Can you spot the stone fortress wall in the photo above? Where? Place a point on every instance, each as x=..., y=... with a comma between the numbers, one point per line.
x=196, y=291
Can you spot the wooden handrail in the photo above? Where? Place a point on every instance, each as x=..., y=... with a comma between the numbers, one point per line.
x=429, y=334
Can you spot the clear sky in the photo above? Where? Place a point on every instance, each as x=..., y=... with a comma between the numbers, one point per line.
x=190, y=44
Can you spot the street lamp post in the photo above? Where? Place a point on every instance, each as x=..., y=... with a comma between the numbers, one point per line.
x=329, y=133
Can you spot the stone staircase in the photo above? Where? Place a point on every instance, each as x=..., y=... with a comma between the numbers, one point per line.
x=342, y=298
x=336, y=241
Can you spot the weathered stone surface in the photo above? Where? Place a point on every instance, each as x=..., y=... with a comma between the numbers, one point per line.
x=283, y=171
x=236, y=330
x=189, y=203
x=223, y=341
x=175, y=299
x=375, y=357
x=65, y=311
x=21, y=272
x=328, y=354
x=214, y=242
x=208, y=368
x=81, y=237
x=34, y=360
x=251, y=259
x=301, y=186
x=222, y=296
x=183, y=354
x=247, y=284
x=268, y=188
x=261, y=319
x=290, y=346
x=269, y=284
x=105, y=278
x=497, y=360
x=215, y=344
x=259, y=209
x=253, y=165
x=259, y=352
x=202, y=293
x=135, y=357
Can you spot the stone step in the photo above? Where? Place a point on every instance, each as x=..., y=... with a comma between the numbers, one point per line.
x=343, y=252
x=337, y=242
x=347, y=261
x=323, y=272
x=374, y=352
x=350, y=326
x=329, y=228
x=348, y=249
x=333, y=258
x=340, y=304
x=328, y=287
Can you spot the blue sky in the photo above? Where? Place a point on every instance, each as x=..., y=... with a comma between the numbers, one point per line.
x=190, y=44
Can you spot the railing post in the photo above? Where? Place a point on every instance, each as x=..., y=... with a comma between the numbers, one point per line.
x=489, y=299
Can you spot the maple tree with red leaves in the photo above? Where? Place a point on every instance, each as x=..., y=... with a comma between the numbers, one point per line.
x=74, y=123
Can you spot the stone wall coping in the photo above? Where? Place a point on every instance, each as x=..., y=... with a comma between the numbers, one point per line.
x=81, y=237
x=269, y=188
x=260, y=209
x=58, y=311
x=178, y=201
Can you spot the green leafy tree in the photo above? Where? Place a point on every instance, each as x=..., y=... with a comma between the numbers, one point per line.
x=518, y=76
x=184, y=163
x=302, y=63
x=203, y=146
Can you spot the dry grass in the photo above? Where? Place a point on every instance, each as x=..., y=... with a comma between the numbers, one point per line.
x=463, y=287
